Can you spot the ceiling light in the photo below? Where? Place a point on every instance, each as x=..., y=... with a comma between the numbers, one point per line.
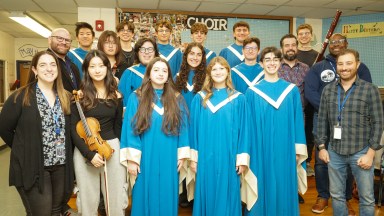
x=30, y=23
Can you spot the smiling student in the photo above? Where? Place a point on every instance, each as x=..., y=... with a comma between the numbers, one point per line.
x=154, y=142
x=219, y=144
x=278, y=140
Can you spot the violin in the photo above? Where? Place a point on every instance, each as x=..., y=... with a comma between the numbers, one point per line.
x=89, y=130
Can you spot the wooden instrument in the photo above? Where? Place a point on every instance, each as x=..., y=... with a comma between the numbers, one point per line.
x=89, y=130
x=329, y=34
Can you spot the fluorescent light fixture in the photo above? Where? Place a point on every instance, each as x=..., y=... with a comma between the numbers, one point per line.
x=30, y=23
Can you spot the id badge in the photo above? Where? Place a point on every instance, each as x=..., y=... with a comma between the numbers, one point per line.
x=60, y=149
x=337, y=132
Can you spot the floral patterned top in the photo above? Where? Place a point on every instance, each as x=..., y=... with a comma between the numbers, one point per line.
x=53, y=130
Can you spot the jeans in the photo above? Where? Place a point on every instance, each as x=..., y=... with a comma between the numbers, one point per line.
x=337, y=169
x=321, y=172
x=50, y=200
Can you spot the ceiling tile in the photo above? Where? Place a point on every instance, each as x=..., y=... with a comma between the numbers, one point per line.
x=227, y=1
x=65, y=18
x=309, y=3
x=217, y=7
x=377, y=6
x=12, y=5
x=267, y=2
x=349, y=4
x=98, y=3
x=142, y=4
x=290, y=11
x=323, y=13
x=177, y=5
x=57, y=6
x=254, y=9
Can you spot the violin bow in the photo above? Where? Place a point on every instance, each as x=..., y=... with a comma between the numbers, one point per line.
x=106, y=187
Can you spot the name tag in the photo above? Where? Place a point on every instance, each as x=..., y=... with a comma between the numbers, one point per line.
x=337, y=132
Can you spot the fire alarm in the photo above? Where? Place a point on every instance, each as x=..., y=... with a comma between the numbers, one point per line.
x=99, y=25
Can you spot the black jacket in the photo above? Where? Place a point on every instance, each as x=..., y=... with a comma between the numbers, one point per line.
x=21, y=130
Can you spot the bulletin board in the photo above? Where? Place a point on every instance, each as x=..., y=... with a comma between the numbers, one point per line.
x=269, y=29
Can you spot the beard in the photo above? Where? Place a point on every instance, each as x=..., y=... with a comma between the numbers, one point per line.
x=290, y=57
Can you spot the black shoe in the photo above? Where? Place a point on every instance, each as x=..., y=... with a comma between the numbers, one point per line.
x=301, y=199
x=186, y=204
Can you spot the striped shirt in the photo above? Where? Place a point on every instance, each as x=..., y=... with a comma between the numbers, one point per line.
x=361, y=117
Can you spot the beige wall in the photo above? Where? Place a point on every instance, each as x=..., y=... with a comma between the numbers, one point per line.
x=7, y=53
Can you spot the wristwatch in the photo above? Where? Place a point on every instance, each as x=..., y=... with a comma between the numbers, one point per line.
x=321, y=147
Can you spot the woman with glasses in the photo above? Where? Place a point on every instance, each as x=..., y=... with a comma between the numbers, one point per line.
x=35, y=124
x=109, y=43
x=145, y=50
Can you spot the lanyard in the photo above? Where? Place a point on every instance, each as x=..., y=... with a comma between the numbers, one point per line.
x=341, y=106
x=55, y=111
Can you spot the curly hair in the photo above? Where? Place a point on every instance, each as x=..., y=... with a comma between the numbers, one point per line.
x=198, y=79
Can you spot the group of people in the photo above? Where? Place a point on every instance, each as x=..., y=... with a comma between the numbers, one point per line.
x=226, y=129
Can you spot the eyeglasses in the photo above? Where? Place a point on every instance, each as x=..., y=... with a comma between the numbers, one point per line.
x=144, y=30
x=340, y=41
x=144, y=50
x=61, y=39
x=164, y=31
x=109, y=43
x=126, y=30
x=304, y=33
x=249, y=49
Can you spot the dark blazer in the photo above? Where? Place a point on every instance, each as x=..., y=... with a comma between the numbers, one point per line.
x=67, y=82
x=21, y=130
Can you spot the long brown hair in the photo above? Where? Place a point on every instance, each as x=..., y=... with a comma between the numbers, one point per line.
x=104, y=38
x=63, y=95
x=170, y=99
x=198, y=79
x=208, y=83
x=87, y=87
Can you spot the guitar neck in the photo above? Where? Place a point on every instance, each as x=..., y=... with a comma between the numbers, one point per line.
x=83, y=120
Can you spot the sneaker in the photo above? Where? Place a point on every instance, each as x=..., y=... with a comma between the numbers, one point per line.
x=310, y=171
x=351, y=212
x=320, y=205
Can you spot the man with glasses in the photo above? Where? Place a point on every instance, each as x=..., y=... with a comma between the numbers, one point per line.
x=59, y=44
x=85, y=36
x=320, y=75
x=234, y=52
x=248, y=73
x=173, y=55
x=126, y=31
x=199, y=33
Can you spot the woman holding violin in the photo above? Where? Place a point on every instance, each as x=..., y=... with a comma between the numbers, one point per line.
x=35, y=124
x=96, y=128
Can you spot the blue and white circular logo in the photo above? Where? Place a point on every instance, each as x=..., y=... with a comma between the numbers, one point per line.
x=327, y=76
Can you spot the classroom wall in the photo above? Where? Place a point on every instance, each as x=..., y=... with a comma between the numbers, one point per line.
x=7, y=54
x=370, y=48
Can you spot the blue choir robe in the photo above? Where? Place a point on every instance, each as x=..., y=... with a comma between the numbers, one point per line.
x=244, y=76
x=156, y=188
x=209, y=55
x=219, y=143
x=131, y=80
x=173, y=56
x=277, y=128
x=233, y=54
x=189, y=94
x=77, y=57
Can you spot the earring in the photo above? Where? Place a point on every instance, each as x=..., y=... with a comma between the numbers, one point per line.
x=35, y=76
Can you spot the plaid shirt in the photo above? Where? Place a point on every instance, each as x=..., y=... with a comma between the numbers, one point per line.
x=361, y=117
x=295, y=75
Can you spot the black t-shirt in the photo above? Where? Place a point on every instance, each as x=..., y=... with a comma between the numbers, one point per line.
x=307, y=57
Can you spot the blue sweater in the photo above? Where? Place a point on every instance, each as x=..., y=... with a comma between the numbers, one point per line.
x=323, y=73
